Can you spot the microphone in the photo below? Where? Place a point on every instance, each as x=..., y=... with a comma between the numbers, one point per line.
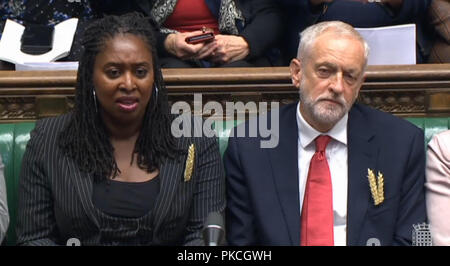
x=213, y=232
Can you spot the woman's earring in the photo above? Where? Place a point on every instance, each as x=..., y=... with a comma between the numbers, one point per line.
x=95, y=100
x=156, y=92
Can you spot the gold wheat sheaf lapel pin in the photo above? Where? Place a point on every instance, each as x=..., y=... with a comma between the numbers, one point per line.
x=189, y=163
x=376, y=186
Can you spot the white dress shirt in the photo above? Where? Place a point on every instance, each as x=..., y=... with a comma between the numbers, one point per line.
x=336, y=153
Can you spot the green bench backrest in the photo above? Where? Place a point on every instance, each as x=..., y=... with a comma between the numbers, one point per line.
x=223, y=132
x=14, y=138
x=13, y=141
x=430, y=125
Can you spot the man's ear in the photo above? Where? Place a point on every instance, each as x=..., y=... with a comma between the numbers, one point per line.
x=296, y=72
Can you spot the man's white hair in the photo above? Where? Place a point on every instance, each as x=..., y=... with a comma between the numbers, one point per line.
x=310, y=34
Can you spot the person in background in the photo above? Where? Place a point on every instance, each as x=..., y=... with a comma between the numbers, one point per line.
x=341, y=174
x=50, y=13
x=10, y=9
x=246, y=31
x=438, y=17
x=438, y=188
x=111, y=172
x=4, y=215
x=300, y=14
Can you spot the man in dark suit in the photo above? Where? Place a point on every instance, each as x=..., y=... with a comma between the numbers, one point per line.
x=371, y=186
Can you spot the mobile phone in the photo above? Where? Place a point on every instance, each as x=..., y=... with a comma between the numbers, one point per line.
x=205, y=37
x=37, y=39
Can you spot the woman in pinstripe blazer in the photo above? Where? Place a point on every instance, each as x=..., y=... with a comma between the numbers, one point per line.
x=111, y=172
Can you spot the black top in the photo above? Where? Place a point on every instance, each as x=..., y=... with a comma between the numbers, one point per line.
x=126, y=199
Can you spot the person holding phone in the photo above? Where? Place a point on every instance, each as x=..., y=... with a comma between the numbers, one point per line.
x=245, y=32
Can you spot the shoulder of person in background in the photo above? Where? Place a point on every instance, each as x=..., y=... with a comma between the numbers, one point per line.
x=442, y=140
x=438, y=17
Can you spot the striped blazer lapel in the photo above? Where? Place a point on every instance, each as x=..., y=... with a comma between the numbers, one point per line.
x=84, y=186
x=171, y=175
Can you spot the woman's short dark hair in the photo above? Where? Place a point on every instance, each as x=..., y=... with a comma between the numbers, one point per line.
x=85, y=138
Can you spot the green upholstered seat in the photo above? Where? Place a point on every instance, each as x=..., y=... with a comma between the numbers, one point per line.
x=13, y=141
x=223, y=130
x=431, y=125
x=15, y=136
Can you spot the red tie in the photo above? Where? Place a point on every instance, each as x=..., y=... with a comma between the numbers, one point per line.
x=317, y=210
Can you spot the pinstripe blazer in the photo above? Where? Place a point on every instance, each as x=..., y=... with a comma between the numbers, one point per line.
x=55, y=197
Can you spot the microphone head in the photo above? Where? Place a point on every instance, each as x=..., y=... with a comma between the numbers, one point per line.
x=213, y=232
x=214, y=219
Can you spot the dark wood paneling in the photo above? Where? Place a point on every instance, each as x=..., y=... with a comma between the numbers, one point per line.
x=404, y=90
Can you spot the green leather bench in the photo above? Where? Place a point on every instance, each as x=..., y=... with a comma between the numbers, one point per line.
x=14, y=138
x=13, y=141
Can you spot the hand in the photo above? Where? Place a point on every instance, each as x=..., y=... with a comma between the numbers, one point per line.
x=207, y=51
x=176, y=44
x=229, y=48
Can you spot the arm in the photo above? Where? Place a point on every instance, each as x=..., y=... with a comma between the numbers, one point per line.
x=264, y=29
x=389, y=12
x=36, y=222
x=412, y=209
x=239, y=218
x=209, y=194
x=307, y=10
x=438, y=188
x=4, y=215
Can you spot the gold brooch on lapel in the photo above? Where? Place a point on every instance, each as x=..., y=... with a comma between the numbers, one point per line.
x=376, y=186
x=189, y=163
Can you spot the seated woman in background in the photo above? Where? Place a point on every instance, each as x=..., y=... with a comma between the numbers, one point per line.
x=245, y=31
x=111, y=172
x=438, y=188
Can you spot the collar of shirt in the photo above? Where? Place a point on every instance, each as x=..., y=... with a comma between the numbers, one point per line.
x=307, y=134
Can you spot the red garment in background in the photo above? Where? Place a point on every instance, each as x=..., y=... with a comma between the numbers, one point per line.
x=191, y=15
